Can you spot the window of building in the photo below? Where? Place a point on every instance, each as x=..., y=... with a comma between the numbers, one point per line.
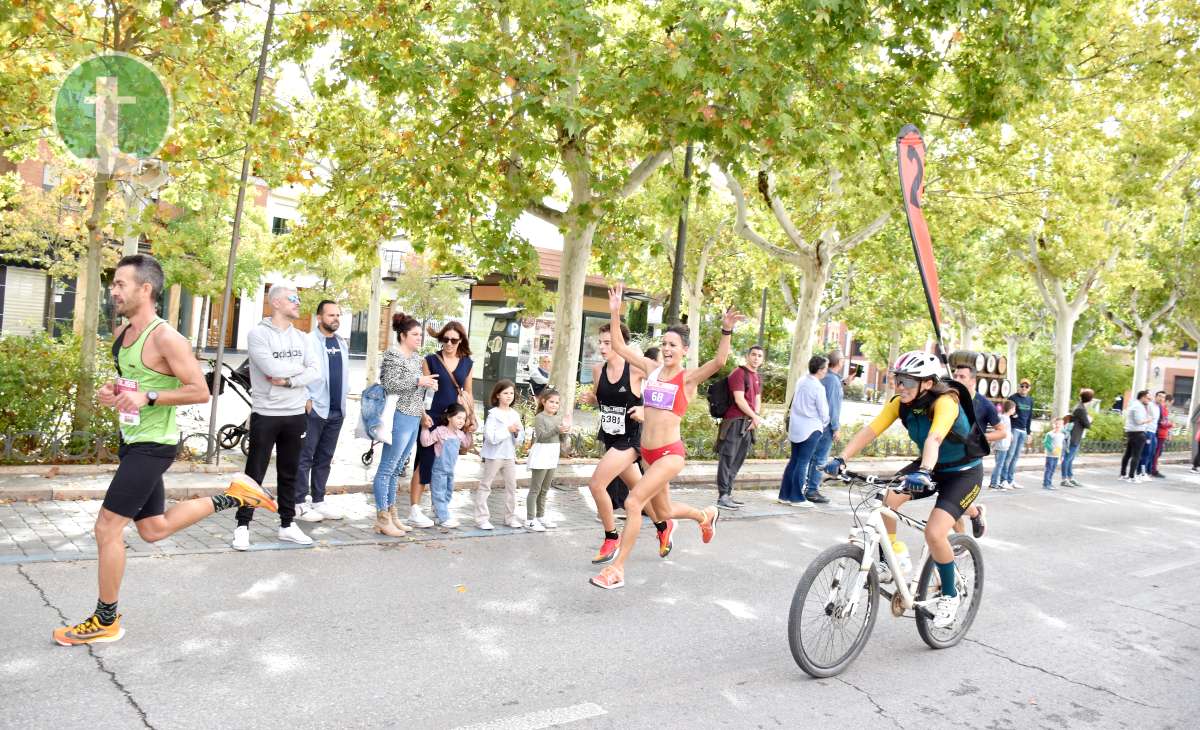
x=279, y=226
x=1182, y=390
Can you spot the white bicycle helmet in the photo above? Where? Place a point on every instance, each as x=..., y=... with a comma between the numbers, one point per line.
x=919, y=364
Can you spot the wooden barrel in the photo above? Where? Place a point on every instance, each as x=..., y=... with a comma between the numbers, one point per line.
x=995, y=386
x=1005, y=388
x=1002, y=365
x=991, y=364
x=981, y=363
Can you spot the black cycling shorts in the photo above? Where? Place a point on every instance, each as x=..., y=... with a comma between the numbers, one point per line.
x=622, y=442
x=136, y=490
x=955, y=490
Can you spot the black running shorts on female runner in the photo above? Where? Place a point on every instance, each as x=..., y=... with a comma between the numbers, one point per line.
x=955, y=490
x=623, y=441
x=136, y=490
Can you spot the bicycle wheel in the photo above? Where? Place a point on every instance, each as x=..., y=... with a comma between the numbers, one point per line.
x=822, y=643
x=968, y=571
x=230, y=435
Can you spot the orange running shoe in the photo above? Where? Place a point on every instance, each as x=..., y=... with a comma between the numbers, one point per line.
x=90, y=631
x=609, y=550
x=246, y=489
x=609, y=578
x=708, y=528
x=664, y=539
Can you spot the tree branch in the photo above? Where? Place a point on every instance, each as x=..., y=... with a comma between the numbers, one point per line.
x=786, y=289
x=863, y=233
x=641, y=173
x=552, y=216
x=780, y=212
x=742, y=226
x=843, y=301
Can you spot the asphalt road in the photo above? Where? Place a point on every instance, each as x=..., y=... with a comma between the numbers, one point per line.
x=1088, y=620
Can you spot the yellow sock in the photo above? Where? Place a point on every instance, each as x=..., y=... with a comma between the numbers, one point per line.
x=898, y=546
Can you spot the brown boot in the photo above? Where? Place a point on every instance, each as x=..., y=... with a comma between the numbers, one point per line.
x=395, y=517
x=384, y=526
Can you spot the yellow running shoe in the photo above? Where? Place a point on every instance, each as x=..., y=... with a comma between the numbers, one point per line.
x=90, y=631
x=247, y=490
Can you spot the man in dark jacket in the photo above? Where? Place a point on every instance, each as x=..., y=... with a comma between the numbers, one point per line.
x=1081, y=421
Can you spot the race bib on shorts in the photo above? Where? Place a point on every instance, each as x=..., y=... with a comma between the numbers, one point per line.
x=612, y=420
x=659, y=395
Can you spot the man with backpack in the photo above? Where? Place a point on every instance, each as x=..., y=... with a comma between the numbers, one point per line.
x=738, y=400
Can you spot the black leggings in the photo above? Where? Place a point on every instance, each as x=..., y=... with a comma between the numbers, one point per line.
x=1135, y=441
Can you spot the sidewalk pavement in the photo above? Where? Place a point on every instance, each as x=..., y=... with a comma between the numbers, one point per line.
x=61, y=530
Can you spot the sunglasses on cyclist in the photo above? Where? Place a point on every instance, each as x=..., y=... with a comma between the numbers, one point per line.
x=451, y=340
x=907, y=381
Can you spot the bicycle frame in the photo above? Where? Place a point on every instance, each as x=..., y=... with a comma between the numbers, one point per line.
x=871, y=537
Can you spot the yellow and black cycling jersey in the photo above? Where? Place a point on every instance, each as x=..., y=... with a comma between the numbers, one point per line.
x=944, y=417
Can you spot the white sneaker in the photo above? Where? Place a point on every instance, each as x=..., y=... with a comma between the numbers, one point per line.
x=515, y=522
x=418, y=518
x=884, y=572
x=307, y=512
x=547, y=523
x=1014, y=485
x=451, y=523
x=328, y=511
x=293, y=533
x=945, y=610
x=534, y=526
x=241, y=538
x=485, y=525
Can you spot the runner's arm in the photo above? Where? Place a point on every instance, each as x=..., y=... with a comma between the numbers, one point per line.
x=619, y=345
x=183, y=365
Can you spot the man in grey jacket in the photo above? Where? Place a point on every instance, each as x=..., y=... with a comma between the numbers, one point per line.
x=281, y=367
x=326, y=410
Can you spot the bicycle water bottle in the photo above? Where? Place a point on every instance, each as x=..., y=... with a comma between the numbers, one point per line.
x=903, y=559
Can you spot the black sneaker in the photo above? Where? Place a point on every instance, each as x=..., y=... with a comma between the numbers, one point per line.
x=979, y=523
x=738, y=502
x=726, y=503
x=816, y=498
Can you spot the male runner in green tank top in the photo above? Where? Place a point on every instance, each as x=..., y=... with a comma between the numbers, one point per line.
x=167, y=375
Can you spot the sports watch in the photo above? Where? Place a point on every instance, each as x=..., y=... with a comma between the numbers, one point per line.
x=151, y=397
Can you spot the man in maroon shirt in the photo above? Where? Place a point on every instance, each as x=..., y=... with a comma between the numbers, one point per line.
x=736, y=434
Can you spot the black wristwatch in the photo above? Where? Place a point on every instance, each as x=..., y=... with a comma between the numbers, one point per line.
x=151, y=397
x=727, y=332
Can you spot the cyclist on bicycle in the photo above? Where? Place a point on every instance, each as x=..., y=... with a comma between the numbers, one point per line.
x=936, y=422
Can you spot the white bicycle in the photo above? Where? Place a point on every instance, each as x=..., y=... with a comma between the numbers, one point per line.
x=835, y=604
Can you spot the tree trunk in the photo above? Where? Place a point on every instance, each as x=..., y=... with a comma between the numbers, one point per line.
x=1064, y=361
x=85, y=387
x=1011, y=375
x=814, y=277
x=1141, y=360
x=893, y=356
x=373, y=320
x=568, y=312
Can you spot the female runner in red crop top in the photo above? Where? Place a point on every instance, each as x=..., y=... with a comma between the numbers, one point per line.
x=665, y=395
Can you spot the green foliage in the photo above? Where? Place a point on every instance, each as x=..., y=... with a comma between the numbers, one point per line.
x=1094, y=368
x=1106, y=426
x=423, y=296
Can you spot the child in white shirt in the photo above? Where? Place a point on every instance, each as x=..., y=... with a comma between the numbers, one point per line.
x=502, y=431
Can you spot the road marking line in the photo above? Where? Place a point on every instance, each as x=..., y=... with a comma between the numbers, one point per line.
x=542, y=718
x=1160, y=569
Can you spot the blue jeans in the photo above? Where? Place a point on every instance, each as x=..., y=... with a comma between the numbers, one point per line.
x=404, y=435
x=1148, y=453
x=1048, y=475
x=1014, y=452
x=316, y=455
x=1001, y=460
x=813, y=480
x=796, y=472
x=1068, y=465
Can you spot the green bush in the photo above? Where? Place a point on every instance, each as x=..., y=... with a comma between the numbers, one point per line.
x=37, y=396
x=1106, y=427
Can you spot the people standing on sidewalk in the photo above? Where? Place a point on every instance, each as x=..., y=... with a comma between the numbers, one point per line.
x=540, y=376
x=1136, y=418
x=666, y=392
x=807, y=417
x=1052, y=444
x=617, y=393
x=548, y=428
x=1154, y=411
x=402, y=375
x=1000, y=448
x=1022, y=421
x=834, y=392
x=157, y=372
x=502, y=431
x=1163, y=434
x=448, y=441
x=281, y=367
x=452, y=364
x=1081, y=421
x=735, y=435
x=325, y=411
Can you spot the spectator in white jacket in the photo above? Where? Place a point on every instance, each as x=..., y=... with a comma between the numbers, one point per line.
x=502, y=431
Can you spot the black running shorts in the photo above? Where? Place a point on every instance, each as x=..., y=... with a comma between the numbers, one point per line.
x=136, y=490
x=955, y=490
x=621, y=442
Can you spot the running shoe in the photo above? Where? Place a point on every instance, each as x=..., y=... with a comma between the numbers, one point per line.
x=609, y=550
x=89, y=631
x=664, y=539
x=945, y=610
x=548, y=524
x=241, y=538
x=609, y=578
x=816, y=498
x=244, y=488
x=708, y=528
x=979, y=523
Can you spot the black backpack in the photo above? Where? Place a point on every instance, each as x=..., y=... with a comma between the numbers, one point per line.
x=720, y=397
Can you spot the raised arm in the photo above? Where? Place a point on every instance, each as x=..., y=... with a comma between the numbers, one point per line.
x=713, y=366
x=616, y=295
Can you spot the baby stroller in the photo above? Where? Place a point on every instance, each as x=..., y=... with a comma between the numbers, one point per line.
x=232, y=435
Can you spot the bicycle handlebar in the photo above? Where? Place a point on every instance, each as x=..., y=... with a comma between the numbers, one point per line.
x=874, y=480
